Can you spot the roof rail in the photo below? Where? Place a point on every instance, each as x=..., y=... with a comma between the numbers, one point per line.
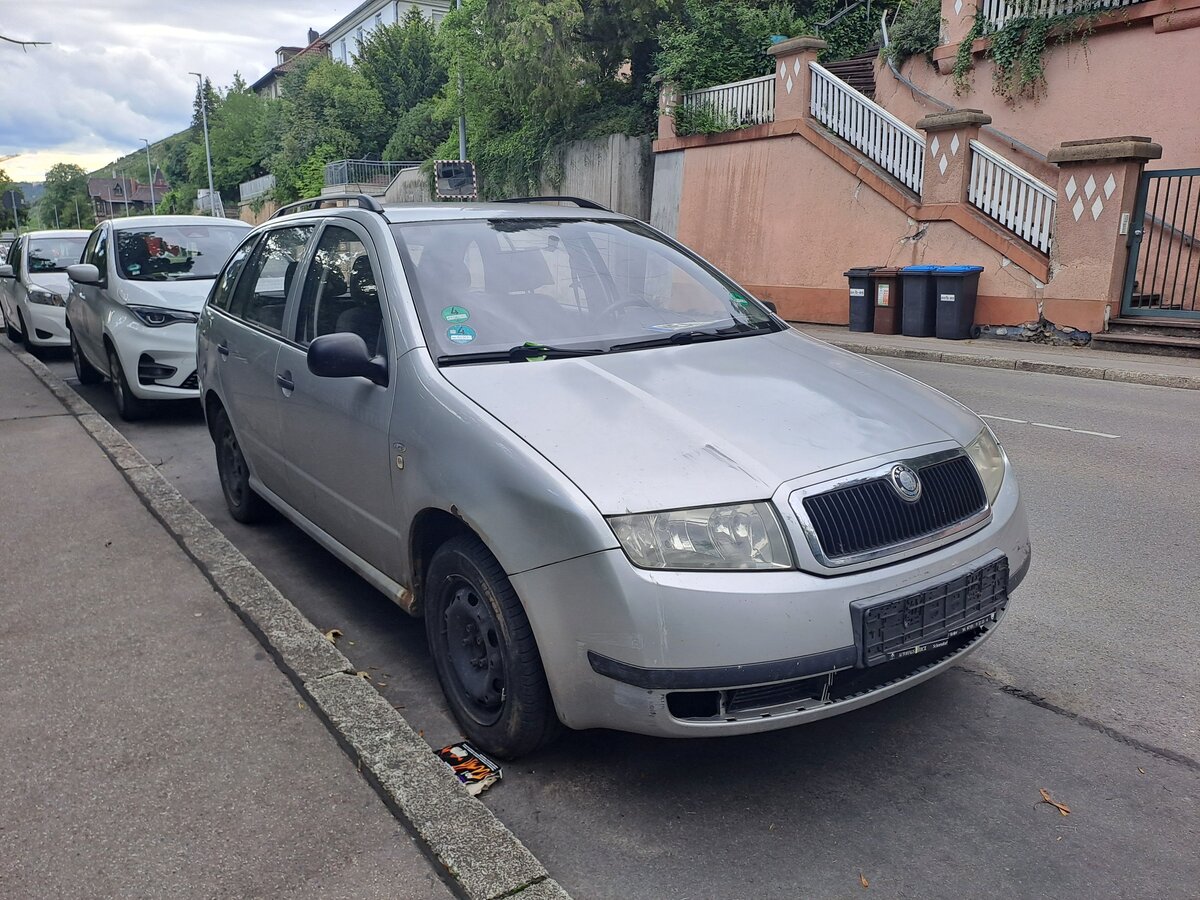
x=365, y=201
x=578, y=201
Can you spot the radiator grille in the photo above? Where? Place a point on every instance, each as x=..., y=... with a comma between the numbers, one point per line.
x=870, y=515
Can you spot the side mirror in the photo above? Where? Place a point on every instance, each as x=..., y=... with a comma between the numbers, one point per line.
x=344, y=355
x=84, y=273
x=6, y=272
x=769, y=304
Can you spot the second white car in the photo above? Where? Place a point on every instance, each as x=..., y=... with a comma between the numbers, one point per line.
x=134, y=299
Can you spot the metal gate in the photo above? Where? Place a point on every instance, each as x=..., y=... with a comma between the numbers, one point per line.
x=1162, y=276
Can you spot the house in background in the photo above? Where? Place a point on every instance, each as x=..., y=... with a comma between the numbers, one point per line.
x=113, y=197
x=344, y=37
x=286, y=58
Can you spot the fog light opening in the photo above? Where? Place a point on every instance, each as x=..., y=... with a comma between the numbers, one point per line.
x=150, y=371
x=694, y=704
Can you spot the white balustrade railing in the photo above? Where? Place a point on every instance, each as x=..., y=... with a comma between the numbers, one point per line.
x=998, y=13
x=742, y=103
x=1011, y=196
x=868, y=127
x=256, y=187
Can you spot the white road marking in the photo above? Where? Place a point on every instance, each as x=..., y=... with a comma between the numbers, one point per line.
x=1055, y=427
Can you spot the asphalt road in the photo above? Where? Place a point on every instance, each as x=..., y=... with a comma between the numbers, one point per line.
x=1090, y=690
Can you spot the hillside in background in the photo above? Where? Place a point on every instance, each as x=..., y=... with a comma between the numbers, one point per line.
x=163, y=154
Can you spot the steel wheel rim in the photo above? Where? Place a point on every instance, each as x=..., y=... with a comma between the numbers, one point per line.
x=471, y=636
x=232, y=468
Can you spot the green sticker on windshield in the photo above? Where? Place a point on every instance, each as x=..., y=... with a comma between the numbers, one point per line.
x=460, y=334
x=739, y=299
x=456, y=314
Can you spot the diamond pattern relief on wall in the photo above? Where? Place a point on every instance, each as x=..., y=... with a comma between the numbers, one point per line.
x=1109, y=186
x=1077, y=209
x=958, y=5
x=1071, y=189
x=1097, y=208
x=954, y=146
x=796, y=68
x=789, y=84
x=942, y=164
x=933, y=146
x=1089, y=188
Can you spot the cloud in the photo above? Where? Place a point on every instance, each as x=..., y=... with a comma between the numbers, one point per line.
x=117, y=71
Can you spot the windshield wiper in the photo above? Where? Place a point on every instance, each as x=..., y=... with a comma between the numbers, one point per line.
x=527, y=352
x=693, y=336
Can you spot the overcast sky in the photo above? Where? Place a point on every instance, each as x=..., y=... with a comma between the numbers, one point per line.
x=117, y=70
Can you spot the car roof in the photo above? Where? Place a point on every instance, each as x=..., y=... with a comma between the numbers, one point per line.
x=440, y=212
x=152, y=221
x=57, y=232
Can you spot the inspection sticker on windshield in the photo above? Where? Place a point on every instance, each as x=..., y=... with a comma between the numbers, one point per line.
x=456, y=314
x=476, y=772
x=460, y=334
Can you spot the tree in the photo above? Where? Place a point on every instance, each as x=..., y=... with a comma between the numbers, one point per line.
x=402, y=62
x=239, y=141
x=66, y=185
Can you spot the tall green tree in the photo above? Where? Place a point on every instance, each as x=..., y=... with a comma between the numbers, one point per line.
x=66, y=186
x=402, y=62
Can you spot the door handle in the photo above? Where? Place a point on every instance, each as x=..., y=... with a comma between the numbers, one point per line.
x=223, y=349
x=284, y=380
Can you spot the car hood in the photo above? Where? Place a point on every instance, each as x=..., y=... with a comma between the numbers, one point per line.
x=56, y=282
x=184, y=295
x=718, y=422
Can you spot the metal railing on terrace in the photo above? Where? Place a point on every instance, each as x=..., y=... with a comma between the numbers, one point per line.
x=868, y=127
x=1011, y=196
x=998, y=13
x=365, y=171
x=739, y=104
x=255, y=187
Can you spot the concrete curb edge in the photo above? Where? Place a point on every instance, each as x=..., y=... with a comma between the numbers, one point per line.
x=1157, y=379
x=481, y=859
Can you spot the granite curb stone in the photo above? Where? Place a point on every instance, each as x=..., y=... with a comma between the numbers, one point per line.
x=485, y=860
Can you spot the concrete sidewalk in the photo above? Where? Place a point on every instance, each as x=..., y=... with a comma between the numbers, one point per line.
x=149, y=745
x=1165, y=371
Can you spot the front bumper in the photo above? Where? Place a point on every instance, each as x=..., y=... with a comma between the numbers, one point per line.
x=146, y=353
x=654, y=634
x=46, y=326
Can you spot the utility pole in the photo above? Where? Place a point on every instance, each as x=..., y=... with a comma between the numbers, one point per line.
x=212, y=194
x=150, y=171
x=56, y=216
x=78, y=219
x=462, y=110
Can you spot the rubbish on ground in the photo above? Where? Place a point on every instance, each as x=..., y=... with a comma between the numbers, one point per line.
x=1063, y=809
x=862, y=879
x=476, y=772
x=332, y=635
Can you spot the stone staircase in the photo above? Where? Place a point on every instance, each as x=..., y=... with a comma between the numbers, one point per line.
x=1165, y=336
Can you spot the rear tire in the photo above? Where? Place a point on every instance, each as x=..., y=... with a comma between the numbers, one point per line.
x=244, y=505
x=484, y=651
x=129, y=407
x=84, y=370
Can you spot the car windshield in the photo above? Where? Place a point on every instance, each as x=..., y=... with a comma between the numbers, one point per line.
x=54, y=254
x=498, y=286
x=175, y=252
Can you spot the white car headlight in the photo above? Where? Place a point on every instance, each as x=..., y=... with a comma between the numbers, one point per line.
x=737, y=536
x=157, y=317
x=45, y=297
x=986, y=453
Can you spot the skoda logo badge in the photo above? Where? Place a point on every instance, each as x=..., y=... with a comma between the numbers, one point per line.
x=906, y=483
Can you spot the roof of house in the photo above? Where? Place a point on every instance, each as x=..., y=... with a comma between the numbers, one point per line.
x=317, y=46
x=118, y=190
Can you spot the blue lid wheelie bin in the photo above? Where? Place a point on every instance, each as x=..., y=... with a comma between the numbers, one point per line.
x=919, y=315
x=957, y=289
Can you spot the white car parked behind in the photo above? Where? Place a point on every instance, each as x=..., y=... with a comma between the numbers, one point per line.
x=134, y=299
x=34, y=286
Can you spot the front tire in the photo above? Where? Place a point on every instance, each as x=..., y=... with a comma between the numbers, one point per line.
x=129, y=407
x=18, y=334
x=244, y=505
x=84, y=370
x=10, y=330
x=484, y=651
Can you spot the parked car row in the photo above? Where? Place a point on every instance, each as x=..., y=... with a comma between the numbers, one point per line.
x=621, y=492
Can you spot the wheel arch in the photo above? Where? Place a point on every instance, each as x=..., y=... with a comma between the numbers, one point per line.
x=431, y=528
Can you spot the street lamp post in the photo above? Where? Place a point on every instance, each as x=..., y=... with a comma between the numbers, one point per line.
x=150, y=172
x=462, y=110
x=212, y=194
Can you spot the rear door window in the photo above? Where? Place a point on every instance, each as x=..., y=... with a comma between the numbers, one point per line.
x=260, y=297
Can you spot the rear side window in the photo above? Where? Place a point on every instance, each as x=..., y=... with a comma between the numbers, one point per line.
x=261, y=293
x=341, y=293
x=223, y=292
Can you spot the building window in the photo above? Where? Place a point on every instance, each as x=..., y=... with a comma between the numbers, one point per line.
x=342, y=50
x=360, y=36
x=378, y=20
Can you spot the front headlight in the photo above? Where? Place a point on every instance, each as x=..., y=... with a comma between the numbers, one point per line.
x=157, y=317
x=45, y=297
x=988, y=457
x=738, y=536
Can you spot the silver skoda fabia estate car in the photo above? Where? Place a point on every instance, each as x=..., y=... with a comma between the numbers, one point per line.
x=621, y=492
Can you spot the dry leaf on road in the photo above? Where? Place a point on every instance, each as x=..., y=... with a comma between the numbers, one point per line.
x=862, y=879
x=1063, y=809
x=332, y=635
